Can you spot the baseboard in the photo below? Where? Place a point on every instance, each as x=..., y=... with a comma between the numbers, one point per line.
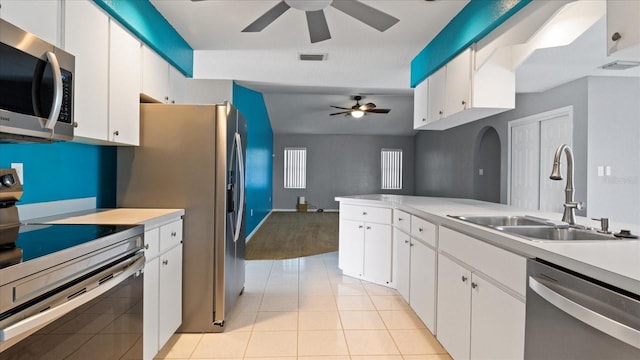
x=248, y=237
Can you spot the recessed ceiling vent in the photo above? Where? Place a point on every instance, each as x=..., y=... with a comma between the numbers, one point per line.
x=620, y=65
x=313, y=57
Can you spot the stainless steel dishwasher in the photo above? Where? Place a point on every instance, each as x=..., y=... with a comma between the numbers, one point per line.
x=571, y=316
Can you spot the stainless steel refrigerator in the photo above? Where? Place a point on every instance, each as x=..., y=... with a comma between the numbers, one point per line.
x=192, y=157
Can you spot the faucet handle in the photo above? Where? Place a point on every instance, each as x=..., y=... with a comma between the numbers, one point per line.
x=604, y=225
x=578, y=205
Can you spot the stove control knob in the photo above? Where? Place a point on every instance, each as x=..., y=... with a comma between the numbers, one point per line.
x=7, y=180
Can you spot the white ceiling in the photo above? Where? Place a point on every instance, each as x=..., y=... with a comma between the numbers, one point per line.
x=361, y=60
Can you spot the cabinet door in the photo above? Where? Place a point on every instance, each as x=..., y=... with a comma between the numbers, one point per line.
x=423, y=283
x=170, y=294
x=457, y=92
x=86, y=35
x=435, y=95
x=150, y=309
x=155, y=76
x=497, y=322
x=401, y=262
x=351, y=245
x=622, y=18
x=420, y=104
x=377, y=253
x=177, y=87
x=124, y=86
x=39, y=17
x=454, y=307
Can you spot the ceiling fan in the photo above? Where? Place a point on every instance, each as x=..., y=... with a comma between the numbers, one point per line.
x=357, y=111
x=316, y=20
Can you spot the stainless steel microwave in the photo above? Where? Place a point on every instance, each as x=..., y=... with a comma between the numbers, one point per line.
x=36, y=88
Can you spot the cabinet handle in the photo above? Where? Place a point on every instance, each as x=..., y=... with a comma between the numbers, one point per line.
x=116, y=133
x=464, y=278
x=424, y=119
x=165, y=262
x=364, y=213
x=166, y=98
x=464, y=103
x=474, y=285
x=616, y=36
x=406, y=241
x=411, y=244
x=420, y=229
x=360, y=226
x=173, y=234
x=75, y=124
x=400, y=219
x=368, y=227
x=440, y=112
x=146, y=246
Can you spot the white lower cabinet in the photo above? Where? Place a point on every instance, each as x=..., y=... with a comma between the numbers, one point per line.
x=480, y=312
x=401, y=261
x=365, y=243
x=162, y=308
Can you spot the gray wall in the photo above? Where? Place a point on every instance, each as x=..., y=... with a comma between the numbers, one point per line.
x=339, y=165
x=444, y=160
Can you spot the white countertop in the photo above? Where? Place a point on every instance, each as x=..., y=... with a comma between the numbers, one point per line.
x=613, y=262
x=121, y=216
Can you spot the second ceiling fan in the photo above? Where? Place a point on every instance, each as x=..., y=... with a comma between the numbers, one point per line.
x=316, y=20
x=358, y=111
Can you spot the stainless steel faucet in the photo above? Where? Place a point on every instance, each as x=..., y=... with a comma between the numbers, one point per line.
x=570, y=205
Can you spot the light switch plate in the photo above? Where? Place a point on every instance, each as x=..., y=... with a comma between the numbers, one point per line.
x=20, y=170
x=600, y=170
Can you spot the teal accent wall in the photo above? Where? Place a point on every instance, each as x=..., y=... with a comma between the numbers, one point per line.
x=259, y=167
x=64, y=170
x=145, y=21
x=472, y=23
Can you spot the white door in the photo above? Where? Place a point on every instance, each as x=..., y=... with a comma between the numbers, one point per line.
x=553, y=133
x=170, y=294
x=351, y=254
x=377, y=253
x=423, y=283
x=525, y=172
x=401, y=261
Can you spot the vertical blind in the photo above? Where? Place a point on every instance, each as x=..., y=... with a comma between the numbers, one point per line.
x=295, y=168
x=391, y=166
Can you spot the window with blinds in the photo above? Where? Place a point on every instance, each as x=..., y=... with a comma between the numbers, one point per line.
x=295, y=168
x=391, y=166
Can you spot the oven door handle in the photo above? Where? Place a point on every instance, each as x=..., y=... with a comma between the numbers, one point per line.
x=36, y=321
x=592, y=318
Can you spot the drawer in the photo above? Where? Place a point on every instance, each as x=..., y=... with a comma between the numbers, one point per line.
x=366, y=213
x=402, y=220
x=503, y=266
x=151, y=243
x=423, y=230
x=170, y=235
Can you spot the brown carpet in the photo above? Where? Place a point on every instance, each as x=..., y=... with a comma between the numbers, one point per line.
x=287, y=235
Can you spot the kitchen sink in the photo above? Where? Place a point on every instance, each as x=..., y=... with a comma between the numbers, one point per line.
x=501, y=220
x=550, y=233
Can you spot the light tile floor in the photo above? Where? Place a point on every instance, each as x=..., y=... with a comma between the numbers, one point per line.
x=306, y=309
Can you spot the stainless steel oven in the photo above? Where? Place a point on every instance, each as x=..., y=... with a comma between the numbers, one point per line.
x=72, y=292
x=570, y=316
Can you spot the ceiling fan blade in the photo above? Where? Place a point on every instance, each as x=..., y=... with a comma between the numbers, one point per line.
x=342, y=112
x=365, y=13
x=267, y=18
x=339, y=107
x=318, y=27
x=378, y=111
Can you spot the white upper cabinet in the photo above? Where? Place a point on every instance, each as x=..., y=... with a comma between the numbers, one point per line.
x=155, y=76
x=124, y=86
x=623, y=17
x=463, y=91
x=420, y=106
x=177, y=86
x=86, y=35
x=39, y=17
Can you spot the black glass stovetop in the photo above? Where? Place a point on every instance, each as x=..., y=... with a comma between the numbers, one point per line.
x=36, y=240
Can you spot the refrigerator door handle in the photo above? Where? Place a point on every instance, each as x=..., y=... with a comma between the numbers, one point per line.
x=238, y=142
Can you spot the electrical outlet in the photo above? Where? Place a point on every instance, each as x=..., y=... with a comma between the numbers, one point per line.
x=20, y=170
x=481, y=172
x=607, y=170
x=601, y=170
x=251, y=212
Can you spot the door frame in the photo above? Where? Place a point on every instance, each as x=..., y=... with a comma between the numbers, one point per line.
x=536, y=118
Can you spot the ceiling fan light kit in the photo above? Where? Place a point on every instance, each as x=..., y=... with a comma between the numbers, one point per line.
x=316, y=20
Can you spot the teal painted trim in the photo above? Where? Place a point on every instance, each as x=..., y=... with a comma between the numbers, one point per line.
x=142, y=19
x=64, y=170
x=473, y=22
x=259, y=168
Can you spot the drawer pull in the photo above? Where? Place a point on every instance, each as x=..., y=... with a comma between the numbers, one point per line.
x=464, y=278
x=360, y=226
x=406, y=241
x=173, y=234
x=165, y=262
x=400, y=219
x=474, y=285
x=420, y=229
x=364, y=213
x=368, y=227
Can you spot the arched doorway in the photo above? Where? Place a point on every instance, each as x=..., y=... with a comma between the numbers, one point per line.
x=486, y=178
